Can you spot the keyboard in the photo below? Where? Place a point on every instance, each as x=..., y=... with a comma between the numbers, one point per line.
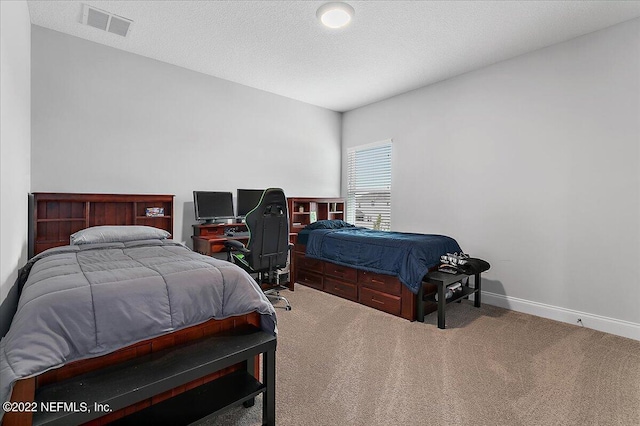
x=237, y=234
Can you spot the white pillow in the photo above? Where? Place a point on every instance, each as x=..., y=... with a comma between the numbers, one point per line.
x=112, y=234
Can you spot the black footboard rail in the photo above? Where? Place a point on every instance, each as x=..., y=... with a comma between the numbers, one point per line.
x=97, y=393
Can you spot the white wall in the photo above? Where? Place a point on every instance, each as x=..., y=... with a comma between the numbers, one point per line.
x=534, y=165
x=15, y=140
x=105, y=120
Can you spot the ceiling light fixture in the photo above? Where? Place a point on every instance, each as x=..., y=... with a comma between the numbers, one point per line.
x=335, y=14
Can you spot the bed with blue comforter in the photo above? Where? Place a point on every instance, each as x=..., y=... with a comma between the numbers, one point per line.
x=407, y=256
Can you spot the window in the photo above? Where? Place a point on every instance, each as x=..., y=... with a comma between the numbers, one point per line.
x=369, y=186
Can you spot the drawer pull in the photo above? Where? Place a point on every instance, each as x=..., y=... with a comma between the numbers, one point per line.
x=373, y=280
x=373, y=299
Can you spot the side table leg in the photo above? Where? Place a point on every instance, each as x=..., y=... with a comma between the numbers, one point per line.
x=269, y=395
x=441, y=304
x=476, y=298
x=251, y=369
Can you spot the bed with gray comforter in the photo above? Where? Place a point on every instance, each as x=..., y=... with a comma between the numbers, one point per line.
x=88, y=300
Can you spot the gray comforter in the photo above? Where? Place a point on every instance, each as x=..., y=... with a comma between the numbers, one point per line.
x=85, y=301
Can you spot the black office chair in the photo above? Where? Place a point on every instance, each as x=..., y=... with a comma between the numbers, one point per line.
x=268, y=247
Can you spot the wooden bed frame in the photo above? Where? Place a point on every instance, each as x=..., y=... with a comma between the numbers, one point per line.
x=382, y=292
x=54, y=217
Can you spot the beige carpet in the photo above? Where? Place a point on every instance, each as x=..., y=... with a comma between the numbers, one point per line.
x=340, y=363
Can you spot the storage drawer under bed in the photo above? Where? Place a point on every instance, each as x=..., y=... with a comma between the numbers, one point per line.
x=380, y=282
x=340, y=288
x=303, y=262
x=385, y=302
x=310, y=279
x=341, y=272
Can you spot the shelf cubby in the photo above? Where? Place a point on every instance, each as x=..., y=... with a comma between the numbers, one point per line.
x=300, y=209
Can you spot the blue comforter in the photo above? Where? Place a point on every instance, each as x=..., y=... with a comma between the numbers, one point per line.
x=405, y=255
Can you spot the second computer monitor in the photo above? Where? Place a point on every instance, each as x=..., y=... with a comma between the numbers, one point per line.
x=248, y=199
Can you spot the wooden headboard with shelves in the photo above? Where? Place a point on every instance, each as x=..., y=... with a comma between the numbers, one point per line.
x=54, y=216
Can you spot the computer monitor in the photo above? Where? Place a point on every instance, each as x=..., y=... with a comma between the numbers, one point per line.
x=248, y=199
x=212, y=206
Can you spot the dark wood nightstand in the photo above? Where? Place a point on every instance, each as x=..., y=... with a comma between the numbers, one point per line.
x=442, y=280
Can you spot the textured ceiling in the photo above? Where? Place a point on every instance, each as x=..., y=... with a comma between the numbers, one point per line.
x=390, y=47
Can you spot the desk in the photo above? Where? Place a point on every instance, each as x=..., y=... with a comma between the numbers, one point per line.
x=211, y=245
x=442, y=280
x=209, y=239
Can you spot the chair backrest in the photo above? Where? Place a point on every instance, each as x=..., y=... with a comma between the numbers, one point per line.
x=268, y=225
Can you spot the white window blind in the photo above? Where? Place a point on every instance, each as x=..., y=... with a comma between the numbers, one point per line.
x=369, y=186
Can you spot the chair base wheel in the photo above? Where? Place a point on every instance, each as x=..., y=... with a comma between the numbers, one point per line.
x=274, y=295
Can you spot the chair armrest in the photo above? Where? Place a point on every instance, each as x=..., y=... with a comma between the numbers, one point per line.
x=236, y=245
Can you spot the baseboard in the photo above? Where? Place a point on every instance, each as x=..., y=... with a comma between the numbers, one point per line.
x=596, y=322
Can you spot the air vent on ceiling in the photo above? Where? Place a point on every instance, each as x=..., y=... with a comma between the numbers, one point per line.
x=106, y=21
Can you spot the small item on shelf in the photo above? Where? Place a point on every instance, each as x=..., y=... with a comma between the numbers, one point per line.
x=313, y=217
x=447, y=295
x=448, y=269
x=462, y=263
x=454, y=259
x=451, y=290
x=154, y=211
x=455, y=287
x=301, y=209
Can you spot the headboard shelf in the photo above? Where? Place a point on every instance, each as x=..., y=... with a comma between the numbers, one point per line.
x=55, y=216
x=64, y=219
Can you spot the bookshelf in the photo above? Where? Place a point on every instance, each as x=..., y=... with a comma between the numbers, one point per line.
x=305, y=210
x=55, y=216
